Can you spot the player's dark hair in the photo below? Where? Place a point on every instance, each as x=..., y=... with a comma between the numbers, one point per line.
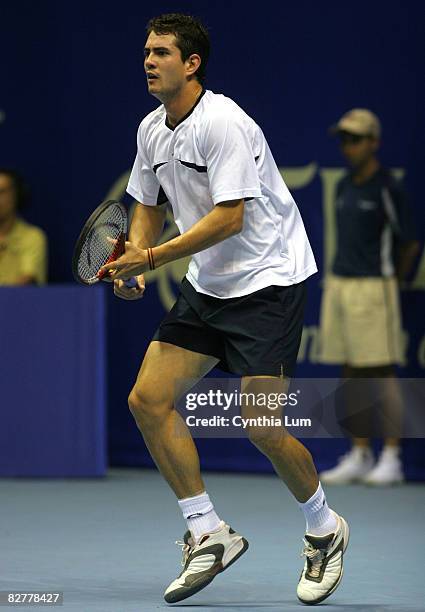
x=191, y=37
x=20, y=187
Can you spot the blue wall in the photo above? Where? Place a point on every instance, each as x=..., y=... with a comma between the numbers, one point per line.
x=73, y=94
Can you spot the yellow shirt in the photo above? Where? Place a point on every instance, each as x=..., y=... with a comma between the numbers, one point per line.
x=23, y=252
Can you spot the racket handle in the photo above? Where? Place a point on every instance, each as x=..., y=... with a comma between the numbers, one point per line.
x=131, y=282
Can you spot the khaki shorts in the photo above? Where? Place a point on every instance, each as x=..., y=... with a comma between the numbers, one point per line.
x=360, y=322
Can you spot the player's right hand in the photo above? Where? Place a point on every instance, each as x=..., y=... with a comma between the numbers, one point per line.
x=127, y=293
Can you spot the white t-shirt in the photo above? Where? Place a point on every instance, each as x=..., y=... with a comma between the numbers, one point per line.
x=214, y=154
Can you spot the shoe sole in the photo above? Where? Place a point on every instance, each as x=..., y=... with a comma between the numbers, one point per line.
x=391, y=483
x=180, y=596
x=336, y=585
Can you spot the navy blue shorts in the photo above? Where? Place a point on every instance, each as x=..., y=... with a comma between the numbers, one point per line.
x=254, y=335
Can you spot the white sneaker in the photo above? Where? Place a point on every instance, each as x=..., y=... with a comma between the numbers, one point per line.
x=351, y=467
x=323, y=569
x=387, y=471
x=201, y=562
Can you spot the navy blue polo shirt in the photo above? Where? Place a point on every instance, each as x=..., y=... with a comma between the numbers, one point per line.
x=371, y=219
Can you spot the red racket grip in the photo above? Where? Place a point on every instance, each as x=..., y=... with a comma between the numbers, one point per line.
x=117, y=252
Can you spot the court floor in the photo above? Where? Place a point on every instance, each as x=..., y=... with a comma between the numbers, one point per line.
x=108, y=544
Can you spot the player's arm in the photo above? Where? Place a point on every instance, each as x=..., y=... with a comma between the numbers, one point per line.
x=146, y=227
x=225, y=220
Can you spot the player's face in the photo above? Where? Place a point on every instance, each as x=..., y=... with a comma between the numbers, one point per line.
x=164, y=67
x=7, y=198
x=357, y=150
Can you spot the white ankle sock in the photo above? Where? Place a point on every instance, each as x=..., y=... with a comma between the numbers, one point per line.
x=361, y=452
x=199, y=514
x=319, y=519
x=390, y=452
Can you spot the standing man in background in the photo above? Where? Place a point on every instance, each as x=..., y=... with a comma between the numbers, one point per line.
x=23, y=247
x=360, y=315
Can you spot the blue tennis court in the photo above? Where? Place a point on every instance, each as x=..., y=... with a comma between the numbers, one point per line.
x=109, y=544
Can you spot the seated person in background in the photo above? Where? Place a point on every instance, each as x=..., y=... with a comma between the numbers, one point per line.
x=23, y=247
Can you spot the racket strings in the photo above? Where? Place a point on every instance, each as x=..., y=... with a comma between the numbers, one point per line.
x=98, y=245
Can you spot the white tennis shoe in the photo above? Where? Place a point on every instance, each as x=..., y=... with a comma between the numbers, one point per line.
x=201, y=562
x=352, y=467
x=323, y=569
x=387, y=471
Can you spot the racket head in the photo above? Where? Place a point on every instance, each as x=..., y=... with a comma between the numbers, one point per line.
x=95, y=245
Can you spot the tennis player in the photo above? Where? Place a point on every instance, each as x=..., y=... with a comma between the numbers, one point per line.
x=241, y=303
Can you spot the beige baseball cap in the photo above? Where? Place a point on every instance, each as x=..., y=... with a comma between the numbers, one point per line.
x=359, y=121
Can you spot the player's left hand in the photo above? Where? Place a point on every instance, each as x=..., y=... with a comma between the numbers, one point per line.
x=133, y=262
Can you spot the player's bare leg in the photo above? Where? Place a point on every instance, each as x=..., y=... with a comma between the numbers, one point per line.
x=291, y=460
x=326, y=532
x=161, y=380
x=151, y=402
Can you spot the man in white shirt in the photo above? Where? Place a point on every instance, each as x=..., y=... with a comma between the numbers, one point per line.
x=241, y=303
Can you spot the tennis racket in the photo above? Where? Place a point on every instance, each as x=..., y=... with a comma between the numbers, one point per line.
x=101, y=241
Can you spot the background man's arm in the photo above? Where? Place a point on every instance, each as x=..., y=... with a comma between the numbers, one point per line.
x=406, y=256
